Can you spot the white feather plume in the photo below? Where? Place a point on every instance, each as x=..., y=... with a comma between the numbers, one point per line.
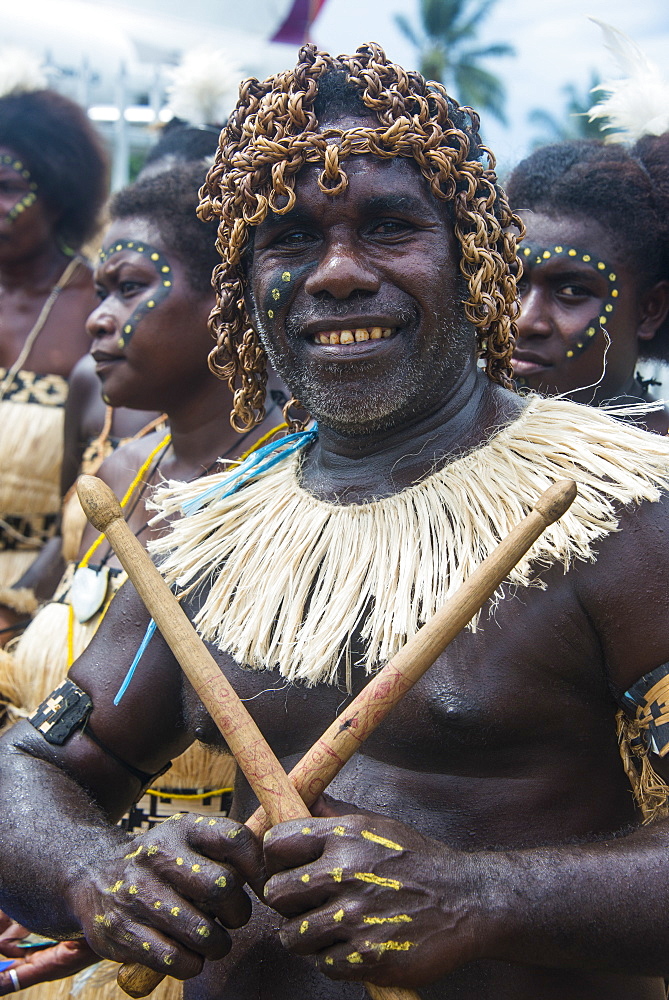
x=203, y=88
x=20, y=71
x=637, y=104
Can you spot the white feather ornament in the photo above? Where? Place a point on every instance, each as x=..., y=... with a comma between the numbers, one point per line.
x=203, y=88
x=637, y=104
x=20, y=71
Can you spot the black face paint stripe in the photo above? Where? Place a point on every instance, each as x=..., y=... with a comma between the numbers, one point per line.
x=164, y=270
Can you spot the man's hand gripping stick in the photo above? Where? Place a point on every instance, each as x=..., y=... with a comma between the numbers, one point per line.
x=281, y=796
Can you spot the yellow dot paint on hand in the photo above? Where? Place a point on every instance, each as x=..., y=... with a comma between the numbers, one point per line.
x=399, y=918
x=387, y=883
x=270, y=313
x=390, y=945
x=212, y=822
x=199, y=819
x=116, y=886
x=175, y=911
x=146, y=946
x=135, y=854
x=305, y=878
x=339, y=830
x=177, y=816
x=355, y=958
x=195, y=868
x=614, y=293
x=101, y=919
x=180, y=861
x=152, y=850
x=157, y=904
x=375, y=839
x=276, y=294
x=234, y=833
x=203, y=931
x=306, y=830
x=304, y=927
x=337, y=874
x=285, y=276
x=168, y=960
x=221, y=882
x=133, y=890
x=339, y=916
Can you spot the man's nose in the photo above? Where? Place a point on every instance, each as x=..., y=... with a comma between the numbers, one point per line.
x=534, y=319
x=341, y=272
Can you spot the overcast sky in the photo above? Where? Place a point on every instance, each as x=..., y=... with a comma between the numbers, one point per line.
x=555, y=44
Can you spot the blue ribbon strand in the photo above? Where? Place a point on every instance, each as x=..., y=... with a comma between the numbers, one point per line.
x=257, y=462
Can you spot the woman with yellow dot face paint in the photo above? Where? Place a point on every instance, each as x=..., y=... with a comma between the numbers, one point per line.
x=595, y=287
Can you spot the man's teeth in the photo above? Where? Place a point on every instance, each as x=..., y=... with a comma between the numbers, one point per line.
x=354, y=336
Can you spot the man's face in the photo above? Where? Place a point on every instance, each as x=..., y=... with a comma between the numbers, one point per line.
x=358, y=297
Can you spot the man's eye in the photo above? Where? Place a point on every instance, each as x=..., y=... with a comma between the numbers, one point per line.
x=294, y=239
x=575, y=291
x=390, y=227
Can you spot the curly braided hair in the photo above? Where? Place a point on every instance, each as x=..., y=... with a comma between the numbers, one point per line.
x=273, y=133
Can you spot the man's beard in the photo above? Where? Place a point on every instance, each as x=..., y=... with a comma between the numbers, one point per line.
x=357, y=406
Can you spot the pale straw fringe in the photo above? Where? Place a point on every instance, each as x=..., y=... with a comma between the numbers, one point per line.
x=292, y=578
x=31, y=454
x=14, y=563
x=98, y=982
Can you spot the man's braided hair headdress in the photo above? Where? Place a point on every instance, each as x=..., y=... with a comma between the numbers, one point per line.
x=273, y=132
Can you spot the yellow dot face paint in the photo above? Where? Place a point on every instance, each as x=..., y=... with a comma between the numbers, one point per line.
x=383, y=841
x=386, y=883
x=581, y=341
x=285, y=276
x=164, y=269
x=276, y=294
x=270, y=313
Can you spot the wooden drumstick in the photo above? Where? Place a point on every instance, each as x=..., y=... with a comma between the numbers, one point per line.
x=356, y=723
x=265, y=775
x=323, y=761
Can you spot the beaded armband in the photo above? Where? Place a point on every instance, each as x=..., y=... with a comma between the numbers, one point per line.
x=648, y=702
x=64, y=712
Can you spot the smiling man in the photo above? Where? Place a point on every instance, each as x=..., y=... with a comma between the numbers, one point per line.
x=484, y=842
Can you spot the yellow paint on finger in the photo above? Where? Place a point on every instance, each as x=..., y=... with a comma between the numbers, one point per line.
x=157, y=904
x=390, y=945
x=180, y=861
x=221, y=882
x=355, y=958
x=337, y=874
x=400, y=918
x=306, y=830
x=175, y=911
x=339, y=916
x=383, y=841
x=212, y=822
x=146, y=946
x=234, y=833
x=329, y=960
x=387, y=883
x=203, y=931
x=135, y=854
x=177, y=816
x=116, y=886
x=304, y=927
x=305, y=878
x=195, y=868
x=133, y=890
x=199, y=819
x=100, y=918
x=339, y=830
x=152, y=850
x=168, y=960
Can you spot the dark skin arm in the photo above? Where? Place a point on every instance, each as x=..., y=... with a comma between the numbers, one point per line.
x=371, y=898
x=98, y=880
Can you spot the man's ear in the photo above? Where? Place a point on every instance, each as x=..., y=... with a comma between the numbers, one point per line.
x=654, y=310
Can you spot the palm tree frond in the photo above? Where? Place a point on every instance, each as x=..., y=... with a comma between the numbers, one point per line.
x=480, y=89
x=408, y=31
